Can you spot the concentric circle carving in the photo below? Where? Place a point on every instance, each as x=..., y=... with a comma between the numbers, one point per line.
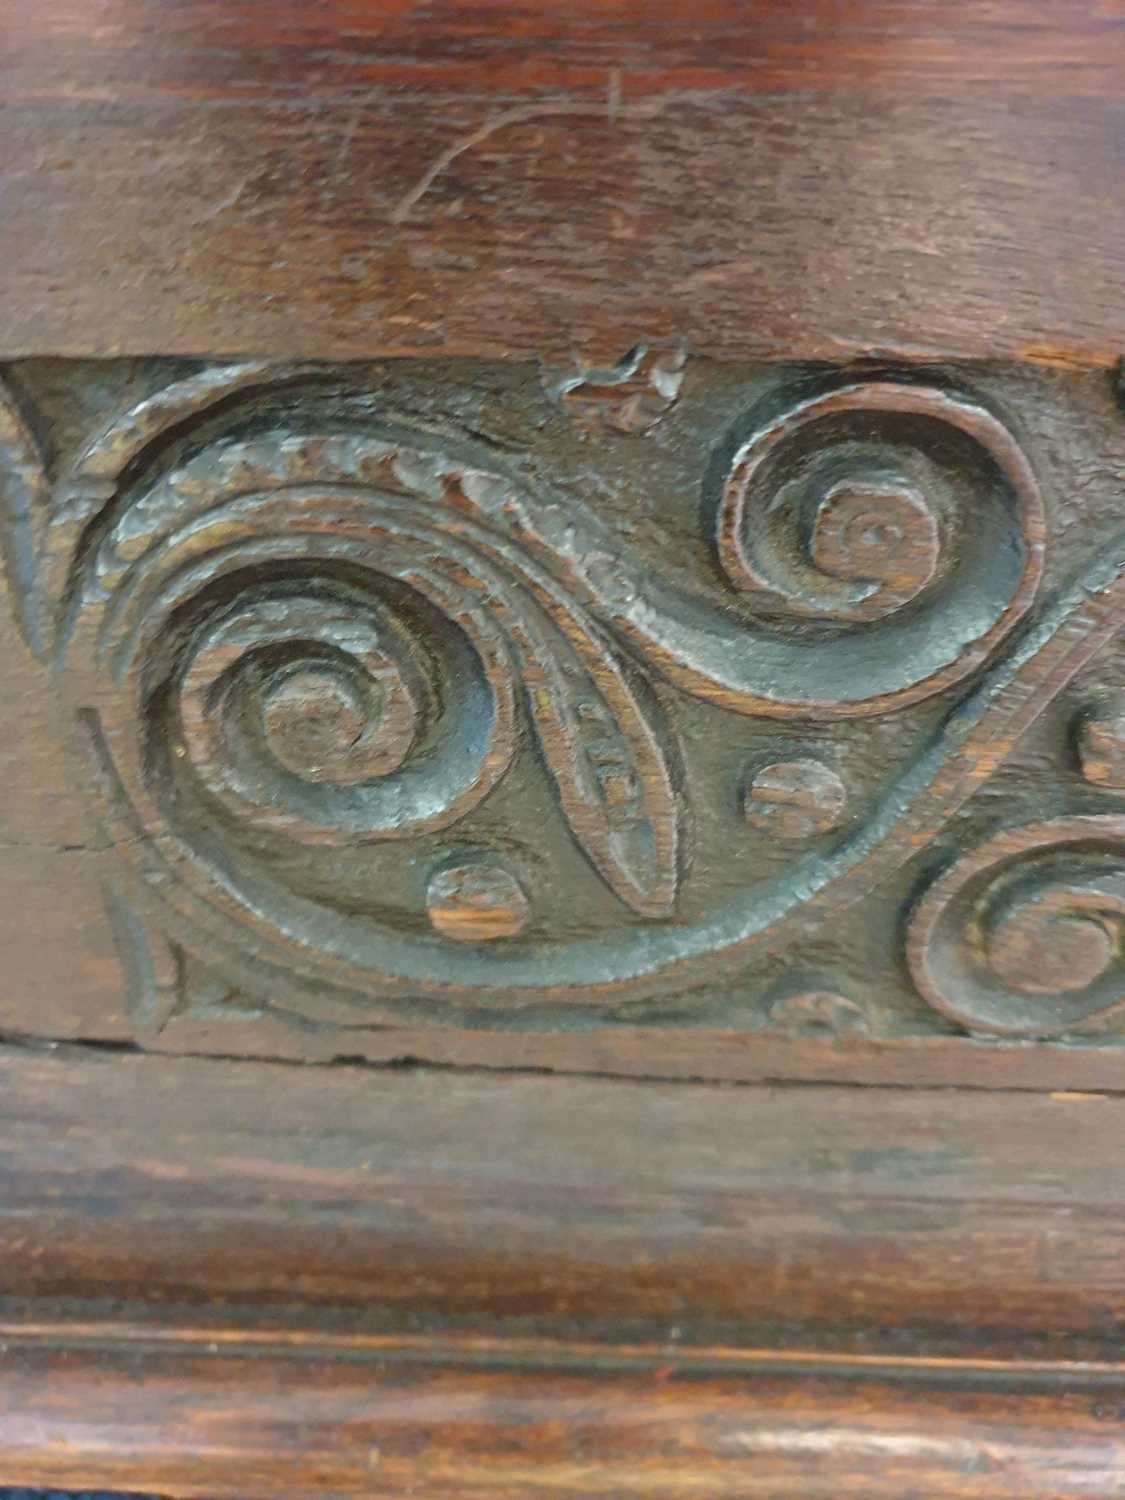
x=1024, y=935
x=897, y=514
x=313, y=706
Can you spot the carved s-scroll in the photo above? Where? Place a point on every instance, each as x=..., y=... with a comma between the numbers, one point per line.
x=280, y=627
x=900, y=524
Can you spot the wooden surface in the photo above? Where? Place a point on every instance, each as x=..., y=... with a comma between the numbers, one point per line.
x=226, y=1279
x=503, y=1276
x=894, y=1220
x=427, y=710
x=197, y=1420
x=345, y=179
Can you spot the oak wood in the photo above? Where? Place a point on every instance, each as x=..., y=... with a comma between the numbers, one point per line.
x=775, y=841
x=187, y=1416
x=259, y=1279
x=368, y=1282
x=534, y=181
x=946, y=1219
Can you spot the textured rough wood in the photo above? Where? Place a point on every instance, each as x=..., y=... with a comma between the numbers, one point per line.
x=348, y=179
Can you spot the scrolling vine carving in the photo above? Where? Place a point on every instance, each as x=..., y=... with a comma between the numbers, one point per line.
x=300, y=626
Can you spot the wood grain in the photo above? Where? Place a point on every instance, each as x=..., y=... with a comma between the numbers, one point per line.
x=260, y=1280
x=824, y=180
x=226, y=1279
x=370, y=722
x=928, y=1220
x=192, y=1419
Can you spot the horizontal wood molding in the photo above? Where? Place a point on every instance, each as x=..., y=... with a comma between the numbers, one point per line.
x=245, y=1280
x=893, y=46
x=206, y=1420
x=462, y=1195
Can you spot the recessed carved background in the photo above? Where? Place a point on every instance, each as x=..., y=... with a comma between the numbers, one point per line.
x=672, y=695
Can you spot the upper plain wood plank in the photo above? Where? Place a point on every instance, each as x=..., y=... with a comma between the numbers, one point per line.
x=342, y=180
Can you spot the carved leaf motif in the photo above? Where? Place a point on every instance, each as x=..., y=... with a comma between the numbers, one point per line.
x=291, y=621
x=599, y=742
x=607, y=762
x=152, y=966
x=630, y=397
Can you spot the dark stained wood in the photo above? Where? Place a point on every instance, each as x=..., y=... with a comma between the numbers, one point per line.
x=204, y=50
x=193, y=1417
x=551, y=180
x=866, y=1220
x=734, y=330
x=227, y=1279
x=485, y=742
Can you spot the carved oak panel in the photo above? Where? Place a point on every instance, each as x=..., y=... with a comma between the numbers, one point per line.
x=594, y=707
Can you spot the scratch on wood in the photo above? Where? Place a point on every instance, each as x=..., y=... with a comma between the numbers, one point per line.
x=644, y=109
x=344, y=149
x=221, y=205
x=613, y=95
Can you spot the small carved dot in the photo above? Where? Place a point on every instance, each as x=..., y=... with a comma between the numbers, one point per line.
x=1101, y=743
x=794, y=799
x=476, y=903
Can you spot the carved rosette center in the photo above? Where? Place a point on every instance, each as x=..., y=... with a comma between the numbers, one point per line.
x=1045, y=950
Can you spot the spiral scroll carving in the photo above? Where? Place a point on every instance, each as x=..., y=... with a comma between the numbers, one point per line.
x=888, y=508
x=303, y=712
x=1024, y=935
x=289, y=631
x=317, y=628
